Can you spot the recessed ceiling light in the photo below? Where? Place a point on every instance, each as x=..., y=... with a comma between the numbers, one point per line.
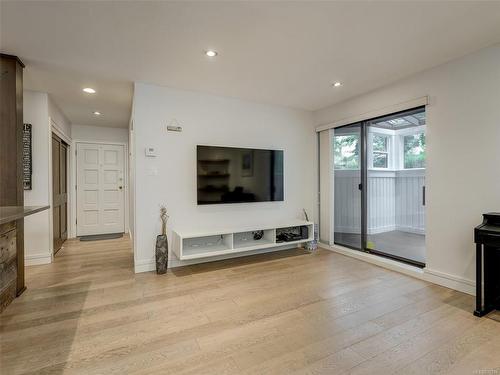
x=89, y=90
x=211, y=53
x=97, y=113
x=337, y=84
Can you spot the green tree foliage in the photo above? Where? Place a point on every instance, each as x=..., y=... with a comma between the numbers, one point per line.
x=346, y=151
x=414, y=151
x=379, y=143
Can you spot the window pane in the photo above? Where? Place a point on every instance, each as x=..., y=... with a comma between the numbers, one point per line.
x=346, y=151
x=379, y=143
x=414, y=151
x=380, y=160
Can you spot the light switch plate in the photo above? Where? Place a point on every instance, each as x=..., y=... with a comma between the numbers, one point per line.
x=150, y=152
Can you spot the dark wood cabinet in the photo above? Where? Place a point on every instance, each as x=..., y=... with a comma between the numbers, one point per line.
x=8, y=264
x=11, y=172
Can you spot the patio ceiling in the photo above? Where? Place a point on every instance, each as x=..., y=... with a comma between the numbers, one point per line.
x=397, y=122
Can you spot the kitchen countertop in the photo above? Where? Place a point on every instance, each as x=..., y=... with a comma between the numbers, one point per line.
x=10, y=213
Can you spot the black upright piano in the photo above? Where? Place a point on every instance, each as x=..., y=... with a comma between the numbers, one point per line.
x=487, y=239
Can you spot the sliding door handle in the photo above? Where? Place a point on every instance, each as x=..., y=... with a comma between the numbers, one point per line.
x=423, y=195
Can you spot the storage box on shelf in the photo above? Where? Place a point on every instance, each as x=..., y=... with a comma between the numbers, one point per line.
x=189, y=245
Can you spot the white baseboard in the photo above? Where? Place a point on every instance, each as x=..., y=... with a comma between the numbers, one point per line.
x=144, y=265
x=451, y=281
x=37, y=259
x=433, y=276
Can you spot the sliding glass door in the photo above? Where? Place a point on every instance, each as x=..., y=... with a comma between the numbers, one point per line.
x=347, y=150
x=379, y=186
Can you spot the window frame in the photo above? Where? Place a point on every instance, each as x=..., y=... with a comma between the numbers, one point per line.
x=389, y=135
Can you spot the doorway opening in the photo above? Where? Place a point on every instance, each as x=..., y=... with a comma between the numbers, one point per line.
x=379, y=186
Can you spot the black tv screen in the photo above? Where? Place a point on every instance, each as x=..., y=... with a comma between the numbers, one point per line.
x=239, y=175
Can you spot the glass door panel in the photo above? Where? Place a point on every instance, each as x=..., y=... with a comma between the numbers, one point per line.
x=347, y=160
x=396, y=186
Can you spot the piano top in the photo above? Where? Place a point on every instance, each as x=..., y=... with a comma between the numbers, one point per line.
x=491, y=218
x=492, y=215
x=489, y=229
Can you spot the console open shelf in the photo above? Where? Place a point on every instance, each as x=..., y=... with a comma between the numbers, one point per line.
x=198, y=247
x=188, y=245
x=247, y=240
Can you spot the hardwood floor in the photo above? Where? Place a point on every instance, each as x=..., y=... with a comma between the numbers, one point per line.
x=287, y=312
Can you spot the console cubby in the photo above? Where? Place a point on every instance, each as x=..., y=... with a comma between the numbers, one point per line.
x=196, y=247
x=246, y=239
x=302, y=232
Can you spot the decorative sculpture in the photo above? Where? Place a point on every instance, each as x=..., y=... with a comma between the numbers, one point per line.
x=161, y=253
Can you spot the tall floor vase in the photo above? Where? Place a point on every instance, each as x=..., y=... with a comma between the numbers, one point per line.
x=161, y=254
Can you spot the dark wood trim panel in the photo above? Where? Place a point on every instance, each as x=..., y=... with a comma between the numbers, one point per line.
x=59, y=191
x=21, y=287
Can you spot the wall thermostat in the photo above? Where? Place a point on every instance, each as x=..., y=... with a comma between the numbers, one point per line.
x=171, y=128
x=174, y=126
x=150, y=152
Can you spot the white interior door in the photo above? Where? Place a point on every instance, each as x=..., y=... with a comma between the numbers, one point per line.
x=100, y=189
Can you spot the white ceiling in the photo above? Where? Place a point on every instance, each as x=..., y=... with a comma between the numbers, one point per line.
x=284, y=53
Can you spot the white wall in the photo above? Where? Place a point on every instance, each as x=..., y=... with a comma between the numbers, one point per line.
x=61, y=121
x=38, y=110
x=98, y=134
x=170, y=178
x=463, y=137
x=37, y=245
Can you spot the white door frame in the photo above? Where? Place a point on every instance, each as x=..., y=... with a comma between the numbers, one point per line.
x=74, y=180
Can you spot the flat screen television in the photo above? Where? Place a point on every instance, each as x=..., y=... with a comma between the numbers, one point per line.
x=239, y=175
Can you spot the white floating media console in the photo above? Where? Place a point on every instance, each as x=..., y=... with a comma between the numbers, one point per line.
x=194, y=245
